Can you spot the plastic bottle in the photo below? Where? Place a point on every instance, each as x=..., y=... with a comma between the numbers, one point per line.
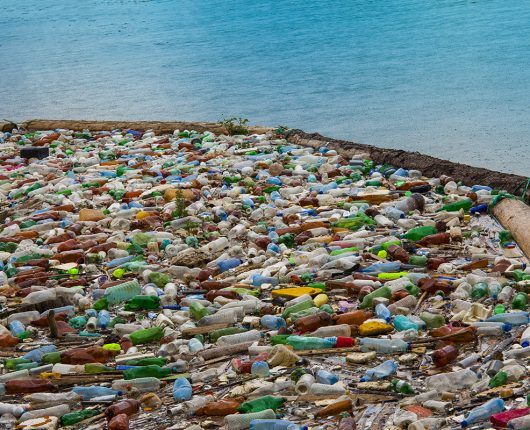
x=383, y=346
x=273, y=424
x=127, y=407
x=272, y=322
x=385, y=369
x=324, y=377
x=242, y=421
x=146, y=371
x=521, y=423
x=443, y=356
x=451, y=381
x=146, y=335
x=72, y=418
x=520, y=301
x=304, y=383
x=143, y=385
x=402, y=323
x=261, y=404
x=119, y=422
x=483, y=412
x=89, y=392
x=382, y=312
x=304, y=343
x=403, y=387
x=380, y=292
x=122, y=292
x=513, y=318
x=182, y=390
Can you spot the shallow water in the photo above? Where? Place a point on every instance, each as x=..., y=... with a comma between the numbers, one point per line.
x=449, y=78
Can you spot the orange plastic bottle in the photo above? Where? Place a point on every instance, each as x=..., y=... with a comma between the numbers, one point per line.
x=119, y=422
x=27, y=386
x=443, y=356
x=127, y=407
x=456, y=334
x=353, y=318
x=312, y=322
x=219, y=409
x=93, y=354
x=7, y=339
x=334, y=409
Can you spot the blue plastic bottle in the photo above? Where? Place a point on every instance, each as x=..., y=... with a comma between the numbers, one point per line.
x=393, y=266
x=260, y=369
x=483, y=412
x=103, y=319
x=402, y=323
x=381, y=311
x=385, y=369
x=182, y=390
x=16, y=328
x=258, y=280
x=272, y=322
x=228, y=264
x=37, y=353
x=95, y=391
x=325, y=377
x=274, y=425
x=513, y=318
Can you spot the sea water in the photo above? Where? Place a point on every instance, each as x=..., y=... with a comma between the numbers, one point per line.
x=449, y=78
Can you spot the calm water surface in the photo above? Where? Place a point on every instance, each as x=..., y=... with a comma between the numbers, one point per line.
x=450, y=77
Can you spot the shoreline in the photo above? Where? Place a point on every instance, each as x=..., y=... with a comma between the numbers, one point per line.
x=429, y=165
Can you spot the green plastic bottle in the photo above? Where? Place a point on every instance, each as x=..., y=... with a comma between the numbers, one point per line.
x=146, y=335
x=198, y=311
x=520, y=301
x=432, y=320
x=418, y=260
x=146, y=371
x=101, y=304
x=216, y=334
x=74, y=417
x=306, y=304
x=143, y=303
x=369, y=298
x=356, y=222
x=418, y=233
x=28, y=366
x=95, y=368
x=51, y=358
x=402, y=387
x=157, y=361
x=78, y=322
x=456, y=206
x=279, y=339
x=261, y=404
x=159, y=279
x=500, y=378
x=305, y=313
x=413, y=290
x=326, y=308
x=343, y=251
x=480, y=289
x=499, y=309
x=11, y=363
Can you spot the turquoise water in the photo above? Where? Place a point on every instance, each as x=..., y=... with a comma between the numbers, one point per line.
x=448, y=78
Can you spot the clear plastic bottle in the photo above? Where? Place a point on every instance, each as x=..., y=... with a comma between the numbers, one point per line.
x=234, y=339
x=483, y=412
x=385, y=369
x=122, y=292
x=242, y=421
